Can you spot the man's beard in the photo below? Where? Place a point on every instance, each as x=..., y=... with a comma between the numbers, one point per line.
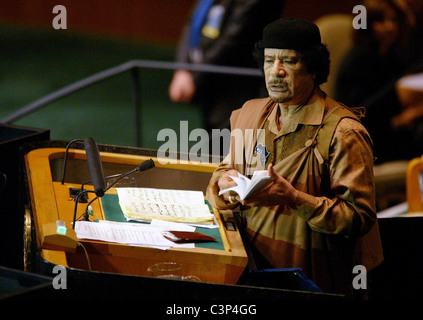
x=278, y=99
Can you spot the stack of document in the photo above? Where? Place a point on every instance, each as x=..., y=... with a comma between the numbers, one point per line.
x=136, y=234
x=163, y=209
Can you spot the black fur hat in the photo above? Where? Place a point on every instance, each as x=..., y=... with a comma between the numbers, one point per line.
x=291, y=33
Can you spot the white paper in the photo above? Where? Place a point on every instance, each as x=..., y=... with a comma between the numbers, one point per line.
x=162, y=195
x=164, y=204
x=171, y=226
x=412, y=81
x=124, y=233
x=394, y=211
x=157, y=224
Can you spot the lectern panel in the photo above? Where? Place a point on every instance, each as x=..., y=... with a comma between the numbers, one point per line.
x=51, y=201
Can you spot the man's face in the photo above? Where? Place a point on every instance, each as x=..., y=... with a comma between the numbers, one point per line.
x=286, y=76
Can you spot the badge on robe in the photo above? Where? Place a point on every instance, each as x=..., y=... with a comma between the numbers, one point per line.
x=263, y=153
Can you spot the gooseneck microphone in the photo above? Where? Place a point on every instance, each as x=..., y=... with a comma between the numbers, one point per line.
x=95, y=166
x=148, y=164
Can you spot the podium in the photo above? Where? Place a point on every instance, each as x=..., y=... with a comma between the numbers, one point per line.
x=51, y=201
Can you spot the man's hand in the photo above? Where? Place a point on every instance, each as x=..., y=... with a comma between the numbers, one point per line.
x=277, y=192
x=226, y=182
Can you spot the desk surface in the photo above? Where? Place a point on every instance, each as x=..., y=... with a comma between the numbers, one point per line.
x=50, y=201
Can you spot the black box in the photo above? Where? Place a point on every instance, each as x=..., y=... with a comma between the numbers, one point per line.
x=12, y=191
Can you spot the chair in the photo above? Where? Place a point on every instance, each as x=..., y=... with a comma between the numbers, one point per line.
x=414, y=182
x=337, y=32
x=390, y=183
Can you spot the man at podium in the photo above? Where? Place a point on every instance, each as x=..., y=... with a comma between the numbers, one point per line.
x=318, y=212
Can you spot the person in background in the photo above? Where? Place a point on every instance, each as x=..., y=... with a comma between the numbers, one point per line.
x=414, y=13
x=318, y=212
x=410, y=118
x=368, y=73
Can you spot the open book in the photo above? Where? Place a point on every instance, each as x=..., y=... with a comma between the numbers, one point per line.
x=246, y=187
x=164, y=204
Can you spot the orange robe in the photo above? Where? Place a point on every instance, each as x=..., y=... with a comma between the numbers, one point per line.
x=326, y=154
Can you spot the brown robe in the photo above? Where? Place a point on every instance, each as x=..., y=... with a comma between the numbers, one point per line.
x=327, y=156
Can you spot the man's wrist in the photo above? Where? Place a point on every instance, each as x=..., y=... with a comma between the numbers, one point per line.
x=294, y=198
x=308, y=204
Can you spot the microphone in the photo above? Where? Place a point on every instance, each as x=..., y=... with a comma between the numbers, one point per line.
x=95, y=166
x=148, y=164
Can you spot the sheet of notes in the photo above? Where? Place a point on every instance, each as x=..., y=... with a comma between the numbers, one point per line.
x=162, y=195
x=173, y=205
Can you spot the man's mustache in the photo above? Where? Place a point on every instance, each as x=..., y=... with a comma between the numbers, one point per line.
x=276, y=81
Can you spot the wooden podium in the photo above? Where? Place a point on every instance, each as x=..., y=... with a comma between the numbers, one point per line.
x=51, y=201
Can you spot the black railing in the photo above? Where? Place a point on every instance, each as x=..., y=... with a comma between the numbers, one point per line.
x=132, y=67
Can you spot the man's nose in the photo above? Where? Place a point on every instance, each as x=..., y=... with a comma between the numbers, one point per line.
x=278, y=69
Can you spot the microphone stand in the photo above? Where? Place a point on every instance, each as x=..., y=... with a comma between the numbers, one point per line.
x=76, y=204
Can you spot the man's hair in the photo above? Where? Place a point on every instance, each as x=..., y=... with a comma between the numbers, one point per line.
x=316, y=60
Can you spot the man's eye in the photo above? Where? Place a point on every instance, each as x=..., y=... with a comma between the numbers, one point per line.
x=290, y=61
